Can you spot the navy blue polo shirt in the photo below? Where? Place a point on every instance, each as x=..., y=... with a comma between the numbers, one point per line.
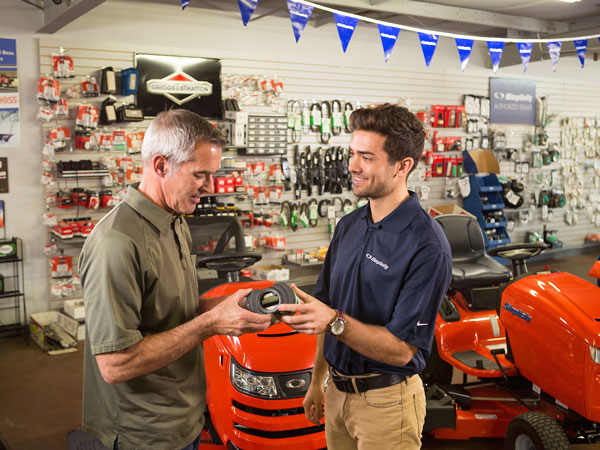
x=393, y=273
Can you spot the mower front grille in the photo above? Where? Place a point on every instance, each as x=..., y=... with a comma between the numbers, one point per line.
x=280, y=434
x=471, y=358
x=269, y=412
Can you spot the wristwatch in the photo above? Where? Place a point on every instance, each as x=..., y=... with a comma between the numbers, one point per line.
x=337, y=325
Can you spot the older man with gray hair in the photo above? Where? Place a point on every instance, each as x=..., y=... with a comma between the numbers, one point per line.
x=144, y=383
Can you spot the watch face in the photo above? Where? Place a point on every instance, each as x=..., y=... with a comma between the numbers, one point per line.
x=337, y=327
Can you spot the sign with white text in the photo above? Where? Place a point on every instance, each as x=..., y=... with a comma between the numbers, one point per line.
x=512, y=101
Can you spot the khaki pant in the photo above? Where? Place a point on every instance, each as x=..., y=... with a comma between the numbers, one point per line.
x=381, y=419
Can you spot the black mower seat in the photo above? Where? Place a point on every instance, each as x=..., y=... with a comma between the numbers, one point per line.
x=471, y=266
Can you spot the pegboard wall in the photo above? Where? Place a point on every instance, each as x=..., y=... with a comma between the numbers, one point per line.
x=575, y=170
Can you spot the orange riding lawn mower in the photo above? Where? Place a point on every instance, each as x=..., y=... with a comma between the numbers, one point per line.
x=527, y=344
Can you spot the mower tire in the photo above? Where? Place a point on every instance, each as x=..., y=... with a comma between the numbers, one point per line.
x=436, y=369
x=535, y=431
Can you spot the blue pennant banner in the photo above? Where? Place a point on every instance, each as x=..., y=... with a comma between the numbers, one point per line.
x=525, y=52
x=581, y=49
x=247, y=8
x=464, y=47
x=428, y=45
x=345, y=26
x=299, y=15
x=184, y=3
x=388, y=38
x=554, y=50
x=495, y=48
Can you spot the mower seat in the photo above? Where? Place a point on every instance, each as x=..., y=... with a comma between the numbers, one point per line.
x=471, y=266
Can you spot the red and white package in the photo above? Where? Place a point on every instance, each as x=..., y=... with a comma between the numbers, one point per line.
x=62, y=65
x=87, y=116
x=48, y=89
x=61, y=108
x=59, y=133
x=89, y=87
x=45, y=113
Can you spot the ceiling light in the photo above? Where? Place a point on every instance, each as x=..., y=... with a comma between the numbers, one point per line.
x=569, y=1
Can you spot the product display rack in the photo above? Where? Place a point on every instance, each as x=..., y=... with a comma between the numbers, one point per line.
x=12, y=291
x=485, y=203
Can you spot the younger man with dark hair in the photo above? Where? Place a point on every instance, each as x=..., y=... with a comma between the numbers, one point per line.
x=385, y=274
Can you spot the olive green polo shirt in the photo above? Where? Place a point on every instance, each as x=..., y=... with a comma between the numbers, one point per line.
x=139, y=278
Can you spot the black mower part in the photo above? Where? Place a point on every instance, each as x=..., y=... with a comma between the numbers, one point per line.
x=266, y=301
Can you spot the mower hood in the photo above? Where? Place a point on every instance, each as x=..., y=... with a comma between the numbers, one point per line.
x=277, y=349
x=567, y=299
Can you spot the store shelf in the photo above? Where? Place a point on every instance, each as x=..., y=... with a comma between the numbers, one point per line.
x=11, y=294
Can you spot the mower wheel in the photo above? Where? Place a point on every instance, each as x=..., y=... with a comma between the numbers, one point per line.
x=436, y=370
x=535, y=431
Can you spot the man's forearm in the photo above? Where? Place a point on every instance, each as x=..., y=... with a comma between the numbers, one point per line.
x=206, y=304
x=320, y=365
x=377, y=343
x=154, y=351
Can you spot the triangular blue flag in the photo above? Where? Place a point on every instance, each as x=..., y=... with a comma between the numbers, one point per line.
x=345, y=26
x=428, y=45
x=388, y=35
x=184, y=3
x=495, y=48
x=525, y=52
x=299, y=15
x=554, y=50
x=581, y=49
x=247, y=8
x=464, y=47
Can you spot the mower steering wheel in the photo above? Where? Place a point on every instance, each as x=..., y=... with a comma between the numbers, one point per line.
x=518, y=251
x=228, y=262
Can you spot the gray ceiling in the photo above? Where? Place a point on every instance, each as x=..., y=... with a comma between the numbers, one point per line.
x=503, y=18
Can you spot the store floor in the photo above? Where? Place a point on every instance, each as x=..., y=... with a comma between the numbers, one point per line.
x=40, y=395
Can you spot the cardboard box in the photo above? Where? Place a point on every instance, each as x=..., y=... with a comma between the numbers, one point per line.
x=270, y=272
x=439, y=210
x=39, y=322
x=74, y=308
x=480, y=161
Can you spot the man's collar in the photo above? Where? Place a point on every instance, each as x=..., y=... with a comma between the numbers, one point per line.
x=399, y=218
x=153, y=213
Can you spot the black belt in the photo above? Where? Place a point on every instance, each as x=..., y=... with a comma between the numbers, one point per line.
x=346, y=384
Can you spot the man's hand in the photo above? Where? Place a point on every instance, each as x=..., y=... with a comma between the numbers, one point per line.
x=313, y=403
x=314, y=315
x=231, y=317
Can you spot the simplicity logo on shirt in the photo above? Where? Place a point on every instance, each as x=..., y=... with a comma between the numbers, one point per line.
x=376, y=261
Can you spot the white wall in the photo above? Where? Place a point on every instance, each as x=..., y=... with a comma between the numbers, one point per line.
x=270, y=44
x=24, y=202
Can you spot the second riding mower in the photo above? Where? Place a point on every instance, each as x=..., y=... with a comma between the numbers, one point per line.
x=255, y=382
x=528, y=345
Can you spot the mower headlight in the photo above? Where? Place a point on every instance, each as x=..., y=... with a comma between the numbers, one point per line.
x=252, y=383
x=595, y=354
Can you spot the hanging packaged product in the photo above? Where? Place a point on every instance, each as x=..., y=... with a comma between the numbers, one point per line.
x=45, y=113
x=119, y=140
x=62, y=65
x=93, y=200
x=129, y=113
x=89, y=87
x=87, y=116
x=50, y=249
x=129, y=81
x=108, y=83
x=134, y=141
x=108, y=112
x=60, y=138
x=48, y=89
x=105, y=141
x=62, y=266
x=61, y=108
x=83, y=140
